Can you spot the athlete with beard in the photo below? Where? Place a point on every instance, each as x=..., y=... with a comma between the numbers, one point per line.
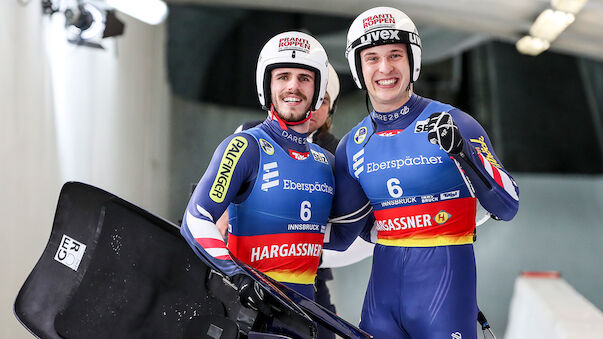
x=280, y=185
x=429, y=173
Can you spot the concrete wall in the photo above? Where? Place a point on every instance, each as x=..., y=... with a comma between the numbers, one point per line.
x=73, y=113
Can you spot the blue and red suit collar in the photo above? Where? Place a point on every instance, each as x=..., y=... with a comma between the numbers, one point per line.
x=288, y=139
x=401, y=117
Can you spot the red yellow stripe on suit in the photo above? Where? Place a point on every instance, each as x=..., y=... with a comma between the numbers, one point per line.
x=285, y=257
x=447, y=222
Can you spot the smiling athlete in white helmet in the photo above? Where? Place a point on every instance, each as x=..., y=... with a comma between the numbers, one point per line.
x=280, y=185
x=429, y=173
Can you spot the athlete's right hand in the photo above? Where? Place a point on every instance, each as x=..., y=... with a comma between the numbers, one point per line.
x=251, y=293
x=445, y=133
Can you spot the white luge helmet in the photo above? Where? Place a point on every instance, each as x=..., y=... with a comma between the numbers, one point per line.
x=380, y=26
x=333, y=87
x=292, y=50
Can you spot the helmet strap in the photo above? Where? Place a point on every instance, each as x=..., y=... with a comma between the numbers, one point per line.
x=283, y=123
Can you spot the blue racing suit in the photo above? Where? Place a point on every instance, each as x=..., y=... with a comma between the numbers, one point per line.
x=426, y=204
x=281, y=188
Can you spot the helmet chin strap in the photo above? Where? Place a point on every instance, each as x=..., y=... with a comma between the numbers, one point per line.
x=282, y=122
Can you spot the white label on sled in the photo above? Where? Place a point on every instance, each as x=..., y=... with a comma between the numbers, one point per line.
x=70, y=252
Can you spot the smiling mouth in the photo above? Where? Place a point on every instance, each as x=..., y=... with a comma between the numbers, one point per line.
x=386, y=82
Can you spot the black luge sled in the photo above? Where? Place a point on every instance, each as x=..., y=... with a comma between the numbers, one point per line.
x=113, y=270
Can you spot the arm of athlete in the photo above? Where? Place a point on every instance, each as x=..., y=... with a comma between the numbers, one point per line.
x=229, y=176
x=351, y=211
x=494, y=187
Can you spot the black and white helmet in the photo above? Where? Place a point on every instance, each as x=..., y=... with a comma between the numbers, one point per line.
x=380, y=26
x=295, y=50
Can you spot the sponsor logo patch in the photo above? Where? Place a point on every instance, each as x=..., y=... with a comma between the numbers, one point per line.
x=423, y=126
x=401, y=201
x=404, y=223
x=378, y=20
x=231, y=157
x=441, y=217
x=391, y=116
x=70, y=252
x=483, y=149
x=358, y=161
x=308, y=187
x=292, y=43
x=298, y=155
x=450, y=195
x=286, y=250
x=360, y=135
x=320, y=157
x=270, y=176
x=399, y=163
x=266, y=147
x=428, y=198
x=294, y=138
x=384, y=34
x=389, y=133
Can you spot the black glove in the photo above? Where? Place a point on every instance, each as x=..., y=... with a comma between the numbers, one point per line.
x=251, y=293
x=445, y=133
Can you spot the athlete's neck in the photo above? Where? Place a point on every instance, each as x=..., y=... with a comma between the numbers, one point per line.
x=391, y=105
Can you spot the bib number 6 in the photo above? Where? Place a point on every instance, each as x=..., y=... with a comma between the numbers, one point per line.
x=393, y=187
x=304, y=212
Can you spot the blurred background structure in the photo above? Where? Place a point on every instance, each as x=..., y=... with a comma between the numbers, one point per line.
x=140, y=111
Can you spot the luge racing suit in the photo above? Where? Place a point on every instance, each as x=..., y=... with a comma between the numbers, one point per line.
x=281, y=188
x=425, y=203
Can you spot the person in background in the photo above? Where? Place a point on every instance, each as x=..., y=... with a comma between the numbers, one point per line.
x=429, y=173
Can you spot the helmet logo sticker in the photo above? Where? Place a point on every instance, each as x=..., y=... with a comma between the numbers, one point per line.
x=266, y=147
x=360, y=135
x=386, y=34
x=378, y=20
x=299, y=44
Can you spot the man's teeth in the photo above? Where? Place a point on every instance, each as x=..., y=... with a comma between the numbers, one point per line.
x=386, y=82
x=292, y=100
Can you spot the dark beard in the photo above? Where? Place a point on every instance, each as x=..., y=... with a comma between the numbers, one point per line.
x=293, y=120
x=302, y=117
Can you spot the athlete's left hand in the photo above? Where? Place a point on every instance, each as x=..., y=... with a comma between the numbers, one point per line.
x=445, y=133
x=251, y=293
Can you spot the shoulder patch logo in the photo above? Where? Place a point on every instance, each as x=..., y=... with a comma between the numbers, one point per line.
x=266, y=147
x=360, y=135
x=320, y=157
x=231, y=157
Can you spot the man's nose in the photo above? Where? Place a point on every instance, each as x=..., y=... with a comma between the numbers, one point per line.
x=293, y=85
x=385, y=66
